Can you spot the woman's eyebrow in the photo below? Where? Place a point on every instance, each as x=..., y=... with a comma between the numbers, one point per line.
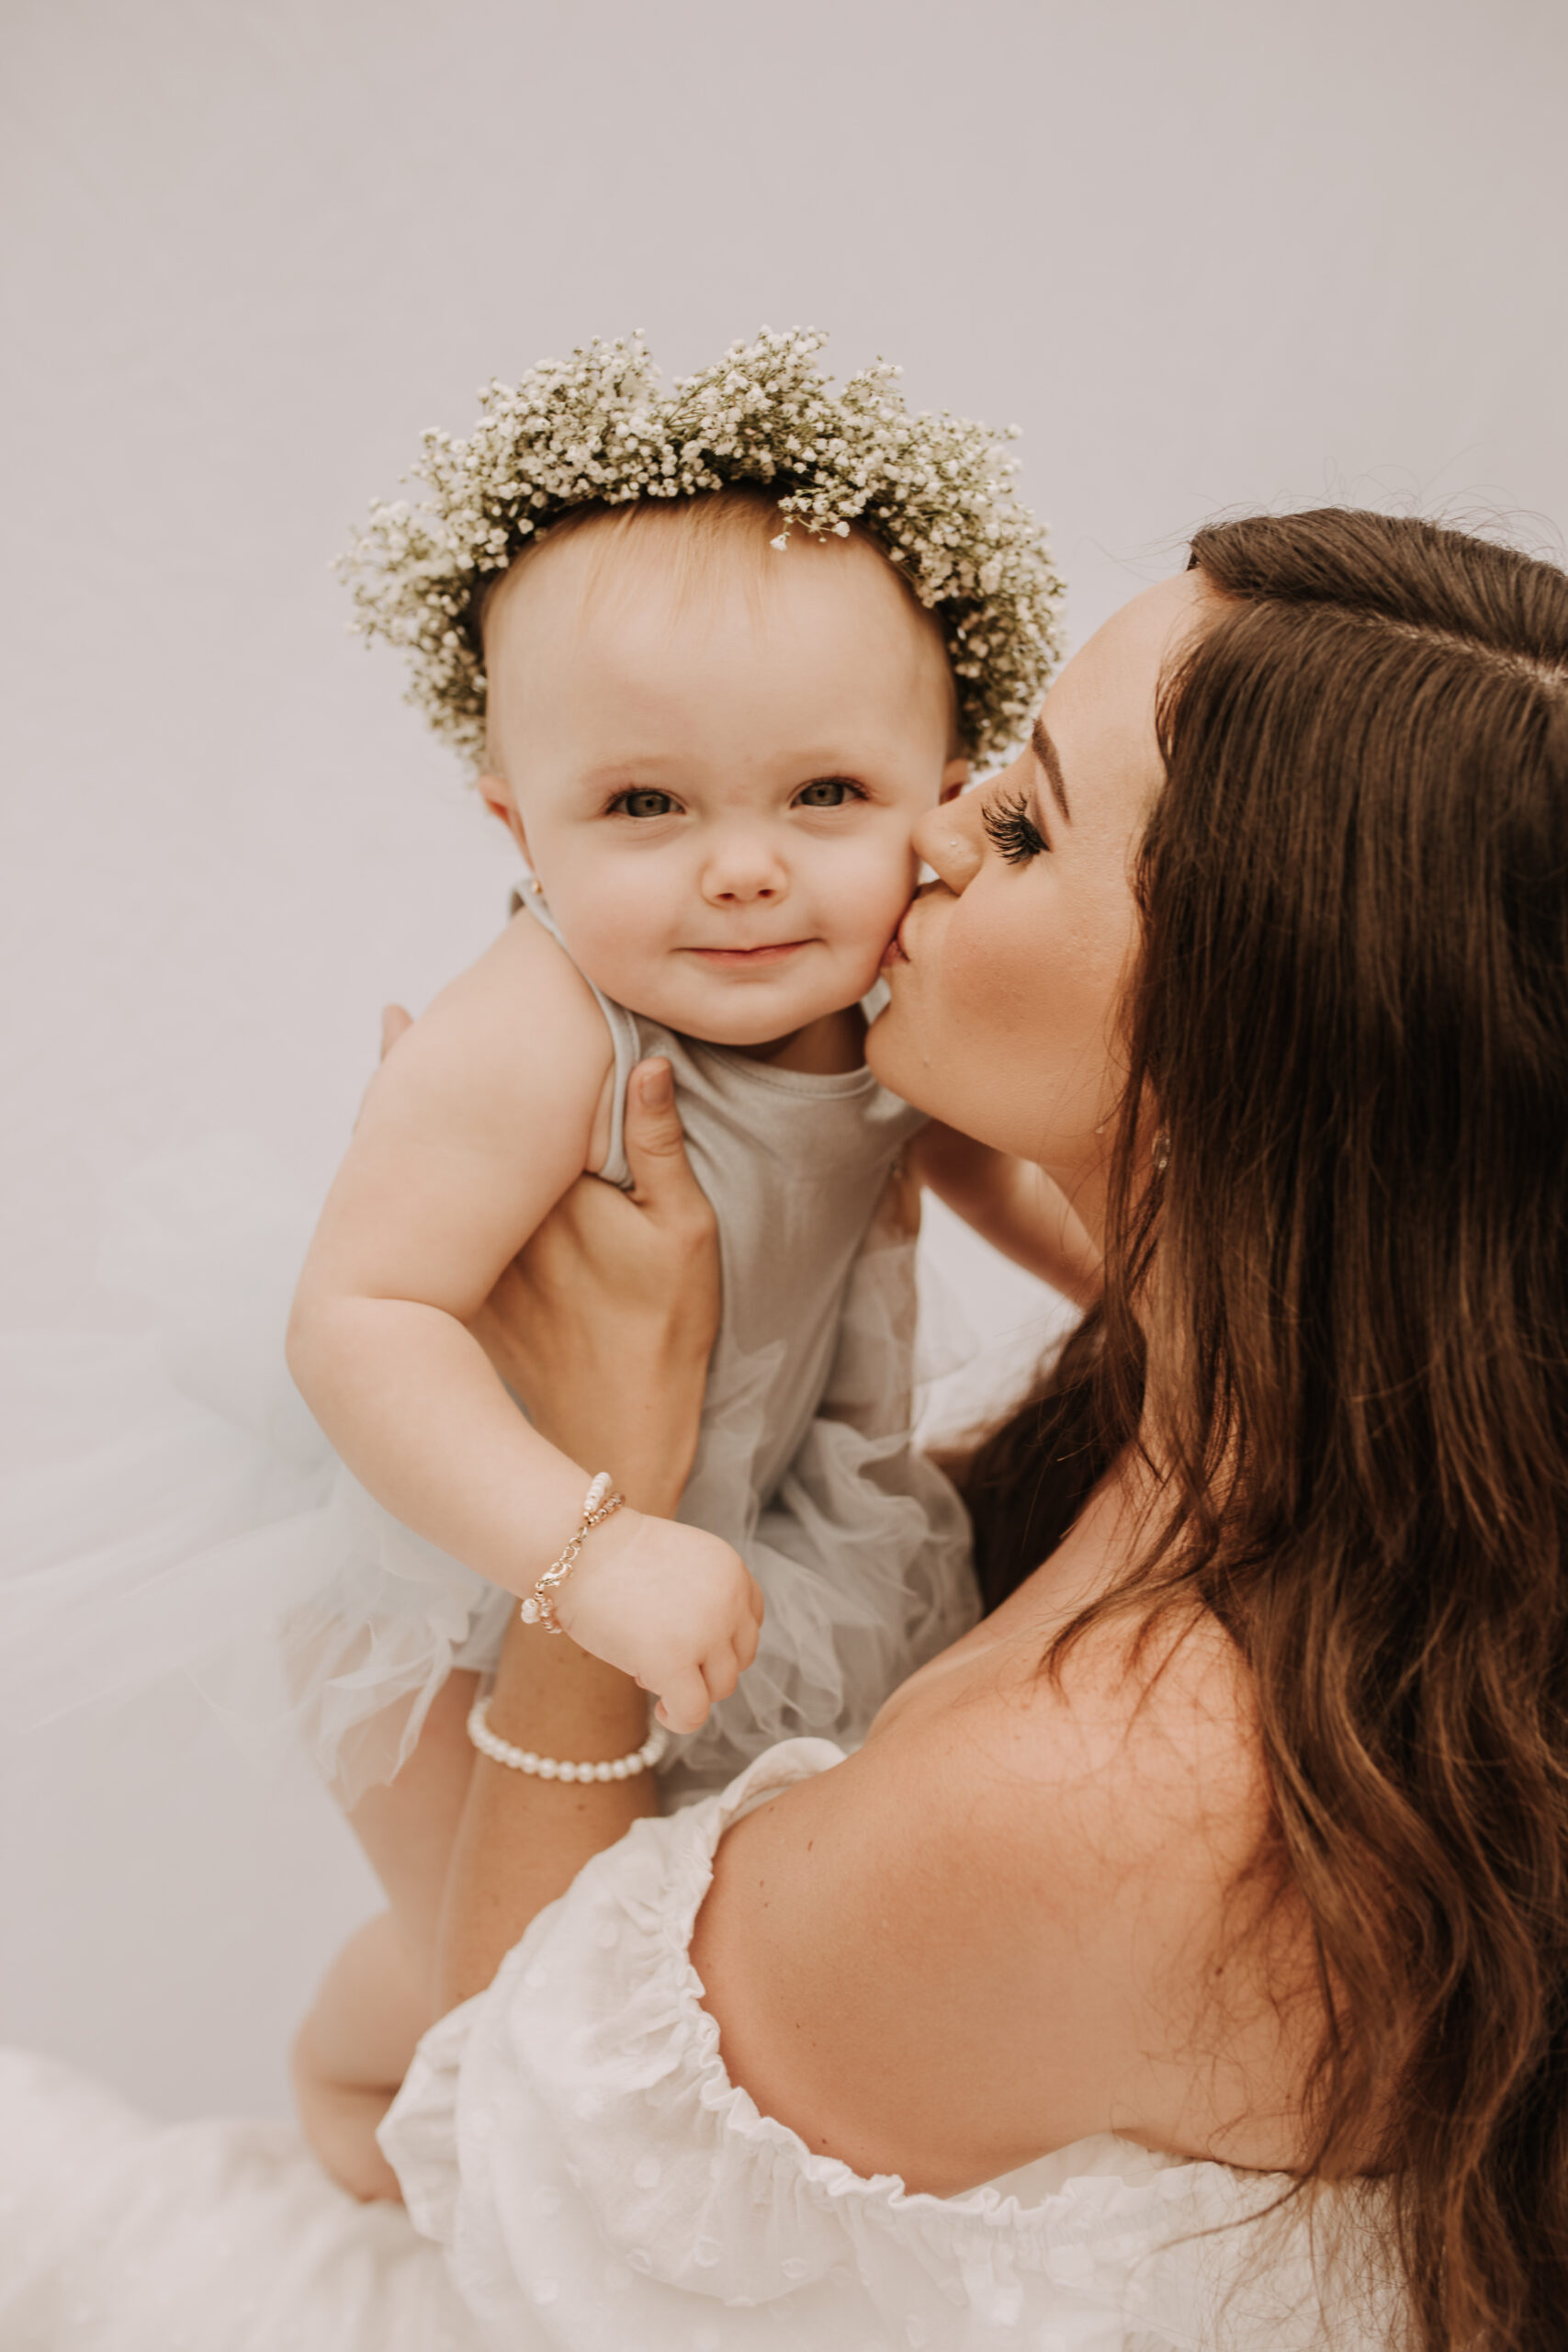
x=1045, y=751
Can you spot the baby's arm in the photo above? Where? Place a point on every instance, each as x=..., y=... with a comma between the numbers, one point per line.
x=606, y=1320
x=469, y=1133
x=1012, y=1204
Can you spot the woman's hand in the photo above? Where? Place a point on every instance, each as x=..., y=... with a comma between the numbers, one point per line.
x=604, y=1327
x=604, y=1324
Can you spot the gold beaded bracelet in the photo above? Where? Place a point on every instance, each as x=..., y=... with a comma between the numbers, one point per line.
x=539, y=1608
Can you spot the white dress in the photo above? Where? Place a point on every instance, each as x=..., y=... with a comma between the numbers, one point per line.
x=582, y=2176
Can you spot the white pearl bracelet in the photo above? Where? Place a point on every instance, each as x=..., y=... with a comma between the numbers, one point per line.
x=548, y=1768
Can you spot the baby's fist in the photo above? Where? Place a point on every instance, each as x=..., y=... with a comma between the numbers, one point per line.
x=674, y=1607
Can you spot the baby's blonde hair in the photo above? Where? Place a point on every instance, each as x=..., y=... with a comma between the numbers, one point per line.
x=735, y=520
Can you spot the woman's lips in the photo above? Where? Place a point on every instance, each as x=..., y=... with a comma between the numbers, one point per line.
x=749, y=958
x=896, y=951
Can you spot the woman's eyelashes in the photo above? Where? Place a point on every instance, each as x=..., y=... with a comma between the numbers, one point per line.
x=1011, y=829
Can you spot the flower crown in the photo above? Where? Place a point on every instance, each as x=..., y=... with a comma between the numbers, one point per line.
x=935, y=492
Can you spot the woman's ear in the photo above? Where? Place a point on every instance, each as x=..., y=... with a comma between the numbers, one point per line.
x=954, y=780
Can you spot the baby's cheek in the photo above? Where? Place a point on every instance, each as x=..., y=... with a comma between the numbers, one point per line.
x=864, y=889
x=617, y=930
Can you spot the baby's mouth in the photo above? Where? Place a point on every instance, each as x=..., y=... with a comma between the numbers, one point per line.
x=770, y=952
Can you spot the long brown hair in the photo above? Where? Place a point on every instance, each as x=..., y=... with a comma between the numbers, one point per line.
x=1351, y=1019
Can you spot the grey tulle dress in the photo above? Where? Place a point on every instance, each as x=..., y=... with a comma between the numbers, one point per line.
x=181, y=1510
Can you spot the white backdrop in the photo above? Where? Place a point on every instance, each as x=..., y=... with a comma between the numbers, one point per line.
x=1210, y=257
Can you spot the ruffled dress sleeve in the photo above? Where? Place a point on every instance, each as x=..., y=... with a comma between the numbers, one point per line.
x=571, y=2139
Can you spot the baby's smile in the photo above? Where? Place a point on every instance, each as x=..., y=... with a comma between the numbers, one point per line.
x=718, y=790
x=742, y=960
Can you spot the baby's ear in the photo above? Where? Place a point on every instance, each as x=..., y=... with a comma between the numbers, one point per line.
x=496, y=794
x=955, y=779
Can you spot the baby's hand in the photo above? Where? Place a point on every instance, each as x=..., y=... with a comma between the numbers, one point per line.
x=672, y=1606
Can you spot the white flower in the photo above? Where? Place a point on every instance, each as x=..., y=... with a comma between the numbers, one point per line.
x=933, y=493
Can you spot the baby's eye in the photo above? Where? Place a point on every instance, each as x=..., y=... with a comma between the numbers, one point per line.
x=645, y=803
x=828, y=792
x=1012, y=830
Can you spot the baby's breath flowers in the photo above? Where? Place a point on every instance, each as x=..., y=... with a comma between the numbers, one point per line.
x=935, y=492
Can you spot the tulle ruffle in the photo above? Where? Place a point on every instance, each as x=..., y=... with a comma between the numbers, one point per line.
x=174, y=1509
x=168, y=1506
x=862, y=1555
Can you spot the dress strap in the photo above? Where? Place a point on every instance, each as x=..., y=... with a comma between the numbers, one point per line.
x=624, y=1037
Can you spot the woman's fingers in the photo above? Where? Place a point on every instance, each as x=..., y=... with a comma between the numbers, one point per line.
x=395, y=1022
x=656, y=1146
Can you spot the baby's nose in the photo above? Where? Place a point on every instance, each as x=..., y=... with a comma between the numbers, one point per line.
x=742, y=871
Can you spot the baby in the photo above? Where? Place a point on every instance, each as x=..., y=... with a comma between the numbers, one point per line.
x=711, y=740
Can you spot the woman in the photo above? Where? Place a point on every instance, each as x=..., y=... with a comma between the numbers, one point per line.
x=1211, y=1897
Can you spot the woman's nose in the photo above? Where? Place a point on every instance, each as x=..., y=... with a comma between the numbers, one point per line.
x=951, y=842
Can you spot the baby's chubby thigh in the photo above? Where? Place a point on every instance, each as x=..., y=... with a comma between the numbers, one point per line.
x=377, y=1997
x=408, y=1825
x=351, y=2052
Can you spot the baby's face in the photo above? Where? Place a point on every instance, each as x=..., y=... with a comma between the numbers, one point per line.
x=714, y=768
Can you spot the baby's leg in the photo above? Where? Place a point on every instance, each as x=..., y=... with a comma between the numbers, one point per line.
x=406, y=1826
x=354, y=2049
x=351, y=2052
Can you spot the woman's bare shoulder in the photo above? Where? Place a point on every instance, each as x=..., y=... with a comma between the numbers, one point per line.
x=1141, y=1743
x=1153, y=1730
x=994, y=1931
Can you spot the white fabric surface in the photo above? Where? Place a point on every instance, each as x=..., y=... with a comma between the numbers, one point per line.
x=572, y=2137
x=118, y=2234
x=571, y=2143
